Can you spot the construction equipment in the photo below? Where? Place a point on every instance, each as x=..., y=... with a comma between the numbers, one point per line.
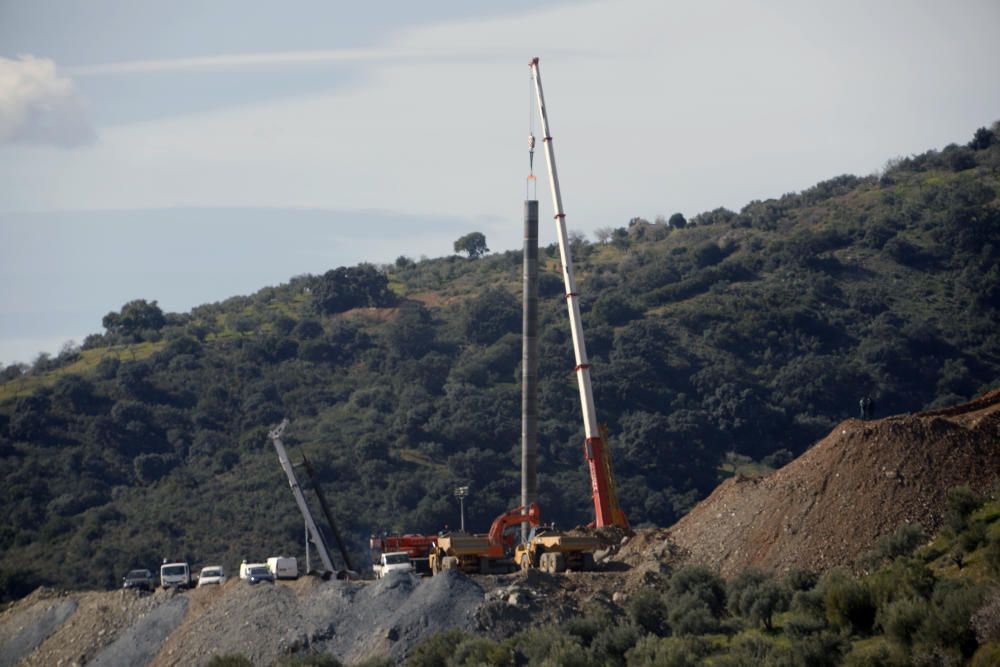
x=316, y=536
x=606, y=509
x=554, y=552
x=482, y=554
x=417, y=547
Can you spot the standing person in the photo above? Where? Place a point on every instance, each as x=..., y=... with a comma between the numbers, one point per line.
x=863, y=407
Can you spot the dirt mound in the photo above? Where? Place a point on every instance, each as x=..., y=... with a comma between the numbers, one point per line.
x=859, y=483
x=36, y=618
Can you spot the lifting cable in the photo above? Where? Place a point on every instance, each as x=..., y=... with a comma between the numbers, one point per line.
x=531, y=185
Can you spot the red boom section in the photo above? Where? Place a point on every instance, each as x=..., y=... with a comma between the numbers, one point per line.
x=415, y=546
x=606, y=509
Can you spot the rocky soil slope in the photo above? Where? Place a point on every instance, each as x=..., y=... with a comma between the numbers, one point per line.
x=833, y=503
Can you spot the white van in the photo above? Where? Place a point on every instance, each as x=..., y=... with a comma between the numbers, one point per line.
x=283, y=567
x=175, y=575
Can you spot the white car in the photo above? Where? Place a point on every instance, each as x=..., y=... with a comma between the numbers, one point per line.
x=396, y=561
x=213, y=574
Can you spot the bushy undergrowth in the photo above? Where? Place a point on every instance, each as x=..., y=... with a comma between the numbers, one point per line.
x=915, y=608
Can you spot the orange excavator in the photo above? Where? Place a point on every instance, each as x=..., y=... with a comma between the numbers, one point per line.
x=483, y=554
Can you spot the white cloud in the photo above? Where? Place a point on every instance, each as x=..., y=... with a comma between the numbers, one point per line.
x=237, y=61
x=37, y=106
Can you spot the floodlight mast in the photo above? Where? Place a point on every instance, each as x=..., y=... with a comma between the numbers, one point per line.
x=606, y=509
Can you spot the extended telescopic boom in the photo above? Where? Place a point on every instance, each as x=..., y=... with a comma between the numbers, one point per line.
x=606, y=509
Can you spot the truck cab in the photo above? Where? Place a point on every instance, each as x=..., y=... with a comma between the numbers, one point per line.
x=396, y=561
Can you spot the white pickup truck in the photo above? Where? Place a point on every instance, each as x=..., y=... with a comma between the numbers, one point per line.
x=396, y=561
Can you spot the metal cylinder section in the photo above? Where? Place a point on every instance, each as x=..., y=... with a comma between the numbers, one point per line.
x=529, y=362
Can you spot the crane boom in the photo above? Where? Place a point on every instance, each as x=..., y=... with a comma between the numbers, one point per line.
x=606, y=509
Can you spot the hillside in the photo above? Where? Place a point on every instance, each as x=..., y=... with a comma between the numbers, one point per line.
x=855, y=486
x=751, y=332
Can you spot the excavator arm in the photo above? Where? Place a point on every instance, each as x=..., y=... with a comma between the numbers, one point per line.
x=524, y=514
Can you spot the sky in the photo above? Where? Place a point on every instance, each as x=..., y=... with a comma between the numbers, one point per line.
x=190, y=151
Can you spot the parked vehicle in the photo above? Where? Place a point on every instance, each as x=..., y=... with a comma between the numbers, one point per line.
x=554, y=552
x=257, y=573
x=139, y=579
x=483, y=554
x=211, y=574
x=417, y=547
x=283, y=567
x=175, y=575
x=397, y=561
x=245, y=567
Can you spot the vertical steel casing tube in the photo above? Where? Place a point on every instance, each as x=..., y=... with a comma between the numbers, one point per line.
x=529, y=362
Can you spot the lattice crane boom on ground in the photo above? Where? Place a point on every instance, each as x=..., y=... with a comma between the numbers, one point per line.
x=606, y=509
x=286, y=465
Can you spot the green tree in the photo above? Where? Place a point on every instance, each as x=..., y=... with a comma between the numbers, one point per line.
x=677, y=221
x=755, y=595
x=473, y=244
x=134, y=318
x=345, y=288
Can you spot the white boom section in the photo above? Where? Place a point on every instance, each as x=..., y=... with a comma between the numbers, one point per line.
x=286, y=464
x=572, y=298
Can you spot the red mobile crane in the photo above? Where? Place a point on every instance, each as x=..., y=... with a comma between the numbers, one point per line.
x=606, y=509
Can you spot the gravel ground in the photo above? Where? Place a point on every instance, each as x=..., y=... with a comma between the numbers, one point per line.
x=350, y=620
x=22, y=633
x=99, y=619
x=387, y=617
x=141, y=641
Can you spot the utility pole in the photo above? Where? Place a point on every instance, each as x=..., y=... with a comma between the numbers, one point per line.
x=460, y=493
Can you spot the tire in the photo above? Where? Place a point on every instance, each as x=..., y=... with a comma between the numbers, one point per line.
x=558, y=563
x=588, y=562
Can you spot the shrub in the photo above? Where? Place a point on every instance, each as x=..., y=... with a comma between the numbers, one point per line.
x=756, y=596
x=962, y=501
x=800, y=580
x=701, y=583
x=476, y=651
x=434, y=651
x=903, y=578
x=611, y=644
x=798, y=626
x=229, y=660
x=991, y=556
x=313, y=660
x=646, y=609
x=901, y=542
x=824, y=649
x=747, y=649
x=986, y=656
x=877, y=653
x=585, y=628
x=902, y=619
x=653, y=651
x=547, y=646
x=948, y=624
x=691, y=615
x=847, y=602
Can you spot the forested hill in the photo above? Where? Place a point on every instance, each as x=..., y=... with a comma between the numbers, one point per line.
x=715, y=340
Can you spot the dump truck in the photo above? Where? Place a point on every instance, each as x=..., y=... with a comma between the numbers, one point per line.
x=482, y=554
x=554, y=552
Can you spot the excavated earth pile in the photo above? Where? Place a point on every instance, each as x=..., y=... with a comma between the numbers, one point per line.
x=350, y=620
x=859, y=483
